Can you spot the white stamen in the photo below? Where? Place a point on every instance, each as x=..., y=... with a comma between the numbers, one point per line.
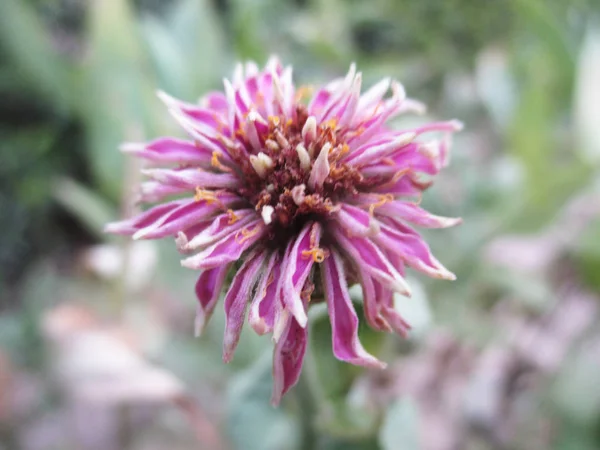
x=272, y=145
x=261, y=163
x=309, y=130
x=303, y=156
x=298, y=194
x=267, y=214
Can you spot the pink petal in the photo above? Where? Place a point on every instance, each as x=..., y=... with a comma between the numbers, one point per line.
x=367, y=255
x=193, y=178
x=288, y=357
x=411, y=212
x=185, y=215
x=236, y=301
x=208, y=290
x=263, y=309
x=171, y=150
x=228, y=249
x=298, y=261
x=355, y=221
x=221, y=226
x=344, y=321
x=405, y=242
x=145, y=219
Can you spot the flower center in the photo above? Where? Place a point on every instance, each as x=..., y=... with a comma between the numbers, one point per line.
x=293, y=172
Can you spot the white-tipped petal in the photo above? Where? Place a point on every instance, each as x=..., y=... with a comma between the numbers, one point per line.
x=309, y=130
x=321, y=168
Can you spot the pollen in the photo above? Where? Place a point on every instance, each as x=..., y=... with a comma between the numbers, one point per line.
x=214, y=161
x=383, y=199
x=317, y=254
x=233, y=218
x=208, y=196
x=244, y=234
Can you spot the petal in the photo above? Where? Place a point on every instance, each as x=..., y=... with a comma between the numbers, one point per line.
x=223, y=225
x=184, y=216
x=298, y=261
x=355, y=221
x=171, y=150
x=288, y=357
x=193, y=178
x=208, y=290
x=320, y=169
x=373, y=152
x=153, y=191
x=228, y=249
x=411, y=212
x=344, y=321
x=263, y=309
x=367, y=255
x=236, y=302
x=408, y=244
x=145, y=219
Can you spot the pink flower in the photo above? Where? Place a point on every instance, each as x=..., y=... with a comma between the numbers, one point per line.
x=299, y=201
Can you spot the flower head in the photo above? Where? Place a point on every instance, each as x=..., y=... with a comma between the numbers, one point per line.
x=299, y=199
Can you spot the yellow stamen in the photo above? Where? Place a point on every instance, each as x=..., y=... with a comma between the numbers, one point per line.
x=214, y=161
x=383, y=199
x=317, y=254
x=246, y=234
x=303, y=92
x=274, y=120
x=208, y=196
x=233, y=218
x=331, y=123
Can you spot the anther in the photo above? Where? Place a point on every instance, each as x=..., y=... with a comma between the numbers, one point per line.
x=309, y=130
x=261, y=163
x=267, y=214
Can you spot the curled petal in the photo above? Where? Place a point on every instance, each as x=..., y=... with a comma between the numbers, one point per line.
x=344, y=321
x=298, y=261
x=374, y=152
x=320, y=169
x=264, y=307
x=288, y=357
x=236, y=301
x=208, y=289
x=171, y=151
x=145, y=219
x=192, y=178
x=184, y=216
x=223, y=225
x=228, y=249
x=405, y=242
x=411, y=212
x=367, y=255
x=204, y=119
x=355, y=221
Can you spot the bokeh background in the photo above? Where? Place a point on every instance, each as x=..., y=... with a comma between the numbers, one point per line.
x=96, y=346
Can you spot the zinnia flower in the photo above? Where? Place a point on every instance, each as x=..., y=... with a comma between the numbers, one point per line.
x=298, y=200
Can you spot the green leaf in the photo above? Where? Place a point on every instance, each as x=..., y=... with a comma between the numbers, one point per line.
x=400, y=427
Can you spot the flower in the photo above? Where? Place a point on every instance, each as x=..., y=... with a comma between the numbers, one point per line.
x=298, y=200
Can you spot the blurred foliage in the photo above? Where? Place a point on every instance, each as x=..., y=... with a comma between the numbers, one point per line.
x=78, y=77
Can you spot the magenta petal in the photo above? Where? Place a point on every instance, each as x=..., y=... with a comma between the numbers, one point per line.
x=263, y=310
x=288, y=357
x=344, y=321
x=411, y=212
x=208, y=290
x=171, y=151
x=228, y=249
x=193, y=178
x=145, y=219
x=298, y=261
x=412, y=248
x=221, y=226
x=187, y=214
x=236, y=302
x=367, y=255
x=355, y=221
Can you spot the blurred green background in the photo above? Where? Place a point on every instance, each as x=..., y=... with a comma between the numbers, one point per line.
x=96, y=346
